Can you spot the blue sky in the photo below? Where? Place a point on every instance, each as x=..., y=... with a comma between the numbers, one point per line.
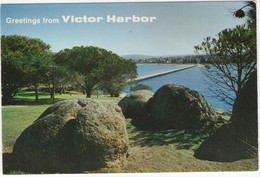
x=178, y=28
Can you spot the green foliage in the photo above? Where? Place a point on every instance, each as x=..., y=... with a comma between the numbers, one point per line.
x=23, y=59
x=233, y=58
x=95, y=65
x=139, y=87
x=57, y=79
x=81, y=68
x=114, y=86
x=232, y=55
x=117, y=84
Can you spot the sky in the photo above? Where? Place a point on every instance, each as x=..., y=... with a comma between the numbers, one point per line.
x=178, y=27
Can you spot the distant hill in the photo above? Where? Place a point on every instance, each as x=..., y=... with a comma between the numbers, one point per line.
x=141, y=57
x=136, y=56
x=180, y=59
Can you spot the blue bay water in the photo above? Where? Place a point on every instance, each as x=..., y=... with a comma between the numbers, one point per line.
x=192, y=78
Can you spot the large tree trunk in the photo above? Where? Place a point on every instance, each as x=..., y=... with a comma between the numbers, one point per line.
x=36, y=93
x=7, y=95
x=53, y=87
x=88, y=88
x=88, y=93
x=53, y=94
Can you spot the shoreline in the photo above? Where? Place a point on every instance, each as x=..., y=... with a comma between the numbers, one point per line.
x=169, y=64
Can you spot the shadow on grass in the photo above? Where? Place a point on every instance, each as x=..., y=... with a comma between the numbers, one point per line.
x=28, y=98
x=10, y=166
x=42, y=101
x=31, y=94
x=183, y=139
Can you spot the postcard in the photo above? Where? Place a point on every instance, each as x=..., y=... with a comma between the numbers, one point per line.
x=129, y=87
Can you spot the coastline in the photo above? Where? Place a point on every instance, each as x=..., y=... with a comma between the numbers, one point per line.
x=169, y=64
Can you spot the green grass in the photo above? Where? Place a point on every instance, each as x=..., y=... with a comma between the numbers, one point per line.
x=28, y=98
x=227, y=118
x=172, y=151
x=15, y=120
x=164, y=151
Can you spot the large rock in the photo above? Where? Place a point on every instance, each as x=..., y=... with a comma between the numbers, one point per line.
x=133, y=103
x=74, y=134
x=224, y=146
x=133, y=107
x=239, y=139
x=100, y=136
x=244, y=115
x=177, y=107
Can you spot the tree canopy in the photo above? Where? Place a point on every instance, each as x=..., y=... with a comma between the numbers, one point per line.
x=139, y=87
x=28, y=62
x=95, y=65
x=22, y=60
x=232, y=56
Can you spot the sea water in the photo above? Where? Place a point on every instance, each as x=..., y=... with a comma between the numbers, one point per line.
x=193, y=78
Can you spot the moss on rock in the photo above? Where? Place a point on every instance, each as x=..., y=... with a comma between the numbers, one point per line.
x=78, y=134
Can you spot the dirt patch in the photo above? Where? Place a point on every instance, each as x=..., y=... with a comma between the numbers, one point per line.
x=139, y=156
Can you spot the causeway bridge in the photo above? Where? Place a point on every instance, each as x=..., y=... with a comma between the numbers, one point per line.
x=162, y=73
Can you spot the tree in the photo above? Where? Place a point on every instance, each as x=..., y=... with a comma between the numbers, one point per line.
x=114, y=86
x=139, y=87
x=251, y=13
x=22, y=60
x=55, y=77
x=36, y=70
x=232, y=55
x=233, y=58
x=118, y=83
x=95, y=65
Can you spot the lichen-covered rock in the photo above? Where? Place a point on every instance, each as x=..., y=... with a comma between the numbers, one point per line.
x=45, y=143
x=177, y=107
x=53, y=141
x=133, y=107
x=100, y=136
x=132, y=104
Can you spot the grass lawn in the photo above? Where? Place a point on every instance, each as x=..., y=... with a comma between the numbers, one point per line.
x=15, y=120
x=165, y=151
x=28, y=98
x=173, y=152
